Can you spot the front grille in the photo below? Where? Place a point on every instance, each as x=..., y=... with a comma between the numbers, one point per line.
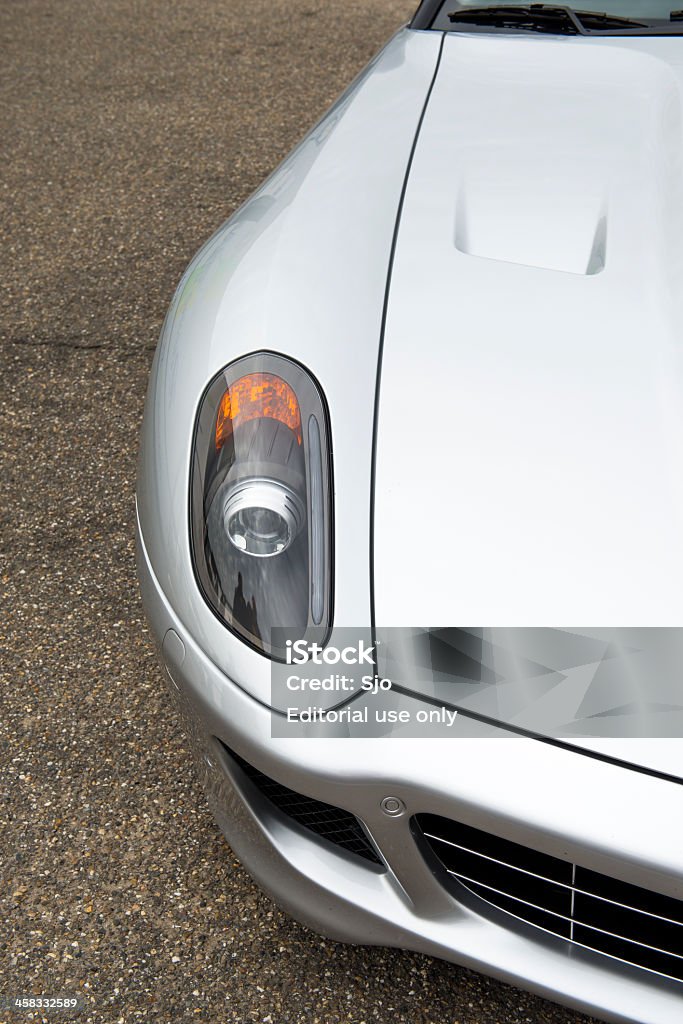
x=623, y=921
x=331, y=823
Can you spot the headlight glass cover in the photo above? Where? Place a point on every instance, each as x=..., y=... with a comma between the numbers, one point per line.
x=261, y=501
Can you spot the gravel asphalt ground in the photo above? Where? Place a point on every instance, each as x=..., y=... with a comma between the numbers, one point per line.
x=130, y=130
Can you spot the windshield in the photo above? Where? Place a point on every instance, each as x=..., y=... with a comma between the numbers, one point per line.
x=653, y=15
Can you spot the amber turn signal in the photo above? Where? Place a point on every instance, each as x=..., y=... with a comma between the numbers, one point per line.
x=257, y=396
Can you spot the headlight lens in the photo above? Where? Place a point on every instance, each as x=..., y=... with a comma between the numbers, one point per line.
x=262, y=517
x=261, y=501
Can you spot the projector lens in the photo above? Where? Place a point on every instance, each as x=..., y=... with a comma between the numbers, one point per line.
x=262, y=517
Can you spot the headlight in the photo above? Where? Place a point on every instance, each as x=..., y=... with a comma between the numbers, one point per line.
x=261, y=501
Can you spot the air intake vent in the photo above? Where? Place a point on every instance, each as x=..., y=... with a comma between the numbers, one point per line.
x=331, y=823
x=630, y=924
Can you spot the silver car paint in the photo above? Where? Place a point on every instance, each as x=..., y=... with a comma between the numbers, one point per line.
x=302, y=269
x=541, y=352
x=607, y=818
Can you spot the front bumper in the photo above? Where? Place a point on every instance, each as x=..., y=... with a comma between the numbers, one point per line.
x=607, y=818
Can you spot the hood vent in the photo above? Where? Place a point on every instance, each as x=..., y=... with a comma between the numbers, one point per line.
x=548, y=222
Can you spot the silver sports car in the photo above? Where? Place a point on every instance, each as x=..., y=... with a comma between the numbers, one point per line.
x=410, y=505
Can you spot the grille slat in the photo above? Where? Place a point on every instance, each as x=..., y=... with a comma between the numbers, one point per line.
x=624, y=922
x=627, y=895
x=503, y=863
x=551, y=895
x=569, y=919
x=474, y=883
x=575, y=889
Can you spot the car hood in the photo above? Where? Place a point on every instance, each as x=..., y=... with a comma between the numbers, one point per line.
x=530, y=419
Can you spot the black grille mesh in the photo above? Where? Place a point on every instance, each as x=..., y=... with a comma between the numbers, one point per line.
x=331, y=823
x=634, y=925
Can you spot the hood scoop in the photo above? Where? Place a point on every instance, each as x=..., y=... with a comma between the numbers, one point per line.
x=534, y=212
